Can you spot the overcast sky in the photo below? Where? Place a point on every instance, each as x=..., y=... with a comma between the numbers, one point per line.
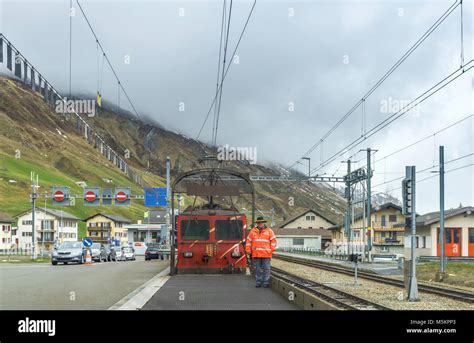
x=315, y=57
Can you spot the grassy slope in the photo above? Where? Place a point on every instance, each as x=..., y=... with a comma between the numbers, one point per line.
x=59, y=158
x=50, y=146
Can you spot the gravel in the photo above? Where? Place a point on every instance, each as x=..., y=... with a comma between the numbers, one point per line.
x=386, y=295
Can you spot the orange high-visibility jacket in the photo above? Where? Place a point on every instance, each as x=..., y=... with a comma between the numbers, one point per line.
x=261, y=242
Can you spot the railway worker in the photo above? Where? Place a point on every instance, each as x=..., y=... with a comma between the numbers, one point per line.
x=261, y=243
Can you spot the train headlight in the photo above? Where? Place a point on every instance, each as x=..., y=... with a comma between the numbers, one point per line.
x=187, y=254
x=236, y=254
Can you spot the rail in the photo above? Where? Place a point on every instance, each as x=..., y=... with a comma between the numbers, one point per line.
x=342, y=300
x=465, y=296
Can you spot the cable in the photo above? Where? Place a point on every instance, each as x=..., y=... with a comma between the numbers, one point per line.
x=108, y=61
x=385, y=76
x=225, y=74
x=70, y=49
x=421, y=98
x=423, y=139
x=423, y=170
x=427, y=178
x=219, y=64
x=222, y=81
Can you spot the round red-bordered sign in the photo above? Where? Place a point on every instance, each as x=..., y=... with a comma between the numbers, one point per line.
x=58, y=196
x=121, y=196
x=90, y=196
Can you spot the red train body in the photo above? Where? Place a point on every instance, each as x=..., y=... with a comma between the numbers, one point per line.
x=210, y=241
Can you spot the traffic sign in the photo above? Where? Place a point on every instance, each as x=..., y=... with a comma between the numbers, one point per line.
x=91, y=196
x=87, y=242
x=155, y=196
x=122, y=196
x=61, y=196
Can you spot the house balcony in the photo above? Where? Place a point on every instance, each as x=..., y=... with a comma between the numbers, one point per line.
x=388, y=226
x=388, y=241
x=47, y=239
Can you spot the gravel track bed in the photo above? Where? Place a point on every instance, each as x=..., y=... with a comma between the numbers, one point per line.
x=386, y=295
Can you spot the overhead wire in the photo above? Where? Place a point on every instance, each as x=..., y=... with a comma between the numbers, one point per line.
x=227, y=69
x=432, y=28
x=108, y=61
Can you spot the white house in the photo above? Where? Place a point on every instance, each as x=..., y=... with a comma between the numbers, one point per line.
x=7, y=237
x=459, y=233
x=307, y=229
x=51, y=227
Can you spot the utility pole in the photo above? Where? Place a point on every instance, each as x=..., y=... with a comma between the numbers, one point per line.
x=348, y=208
x=169, y=212
x=409, y=209
x=442, y=267
x=34, y=180
x=369, y=203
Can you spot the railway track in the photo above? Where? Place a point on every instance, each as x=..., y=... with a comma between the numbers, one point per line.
x=452, y=293
x=340, y=299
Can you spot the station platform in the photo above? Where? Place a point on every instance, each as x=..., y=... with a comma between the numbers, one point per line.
x=216, y=292
x=381, y=268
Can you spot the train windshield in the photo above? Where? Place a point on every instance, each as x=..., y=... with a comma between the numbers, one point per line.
x=229, y=229
x=195, y=229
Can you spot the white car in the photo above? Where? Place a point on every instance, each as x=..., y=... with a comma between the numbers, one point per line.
x=128, y=254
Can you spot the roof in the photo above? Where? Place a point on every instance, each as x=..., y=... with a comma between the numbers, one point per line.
x=301, y=214
x=302, y=232
x=433, y=217
x=335, y=227
x=55, y=213
x=5, y=218
x=114, y=217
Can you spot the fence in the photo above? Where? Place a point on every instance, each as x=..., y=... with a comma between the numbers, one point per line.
x=38, y=83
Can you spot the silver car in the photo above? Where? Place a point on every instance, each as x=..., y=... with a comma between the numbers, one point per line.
x=69, y=252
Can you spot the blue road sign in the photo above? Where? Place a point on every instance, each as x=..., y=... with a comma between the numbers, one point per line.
x=87, y=242
x=155, y=197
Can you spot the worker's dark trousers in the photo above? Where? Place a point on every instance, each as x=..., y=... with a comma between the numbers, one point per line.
x=262, y=272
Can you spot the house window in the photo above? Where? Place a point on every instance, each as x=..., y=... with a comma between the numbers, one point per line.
x=417, y=241
x=299, y=227
x=383, y=234
x=298, y=241
x=308, y=218
x=313, y=218
x=382, y=220
x=392, y=218
x=471, y=235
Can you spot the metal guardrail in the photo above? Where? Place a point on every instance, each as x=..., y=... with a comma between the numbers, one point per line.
x=447, y=258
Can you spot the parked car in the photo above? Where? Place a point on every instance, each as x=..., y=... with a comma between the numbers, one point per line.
x=152, y=252
x=129, y=254
x=98, y=252
x=119, y=256
x=69, y=252
x=111, y=253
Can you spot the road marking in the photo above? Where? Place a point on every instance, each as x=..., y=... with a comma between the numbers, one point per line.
x=139, y=297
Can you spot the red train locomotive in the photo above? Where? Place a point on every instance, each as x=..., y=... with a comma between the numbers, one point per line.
x=210, y=241
x=210, y=238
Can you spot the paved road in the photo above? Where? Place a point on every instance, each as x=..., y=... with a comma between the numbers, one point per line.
x=72, y=287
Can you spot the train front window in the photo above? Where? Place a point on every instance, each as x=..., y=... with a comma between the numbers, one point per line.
x=229, y=229
x=195, y=229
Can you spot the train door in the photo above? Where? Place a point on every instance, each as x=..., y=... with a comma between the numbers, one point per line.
x=470, y=242
x=452, y=242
